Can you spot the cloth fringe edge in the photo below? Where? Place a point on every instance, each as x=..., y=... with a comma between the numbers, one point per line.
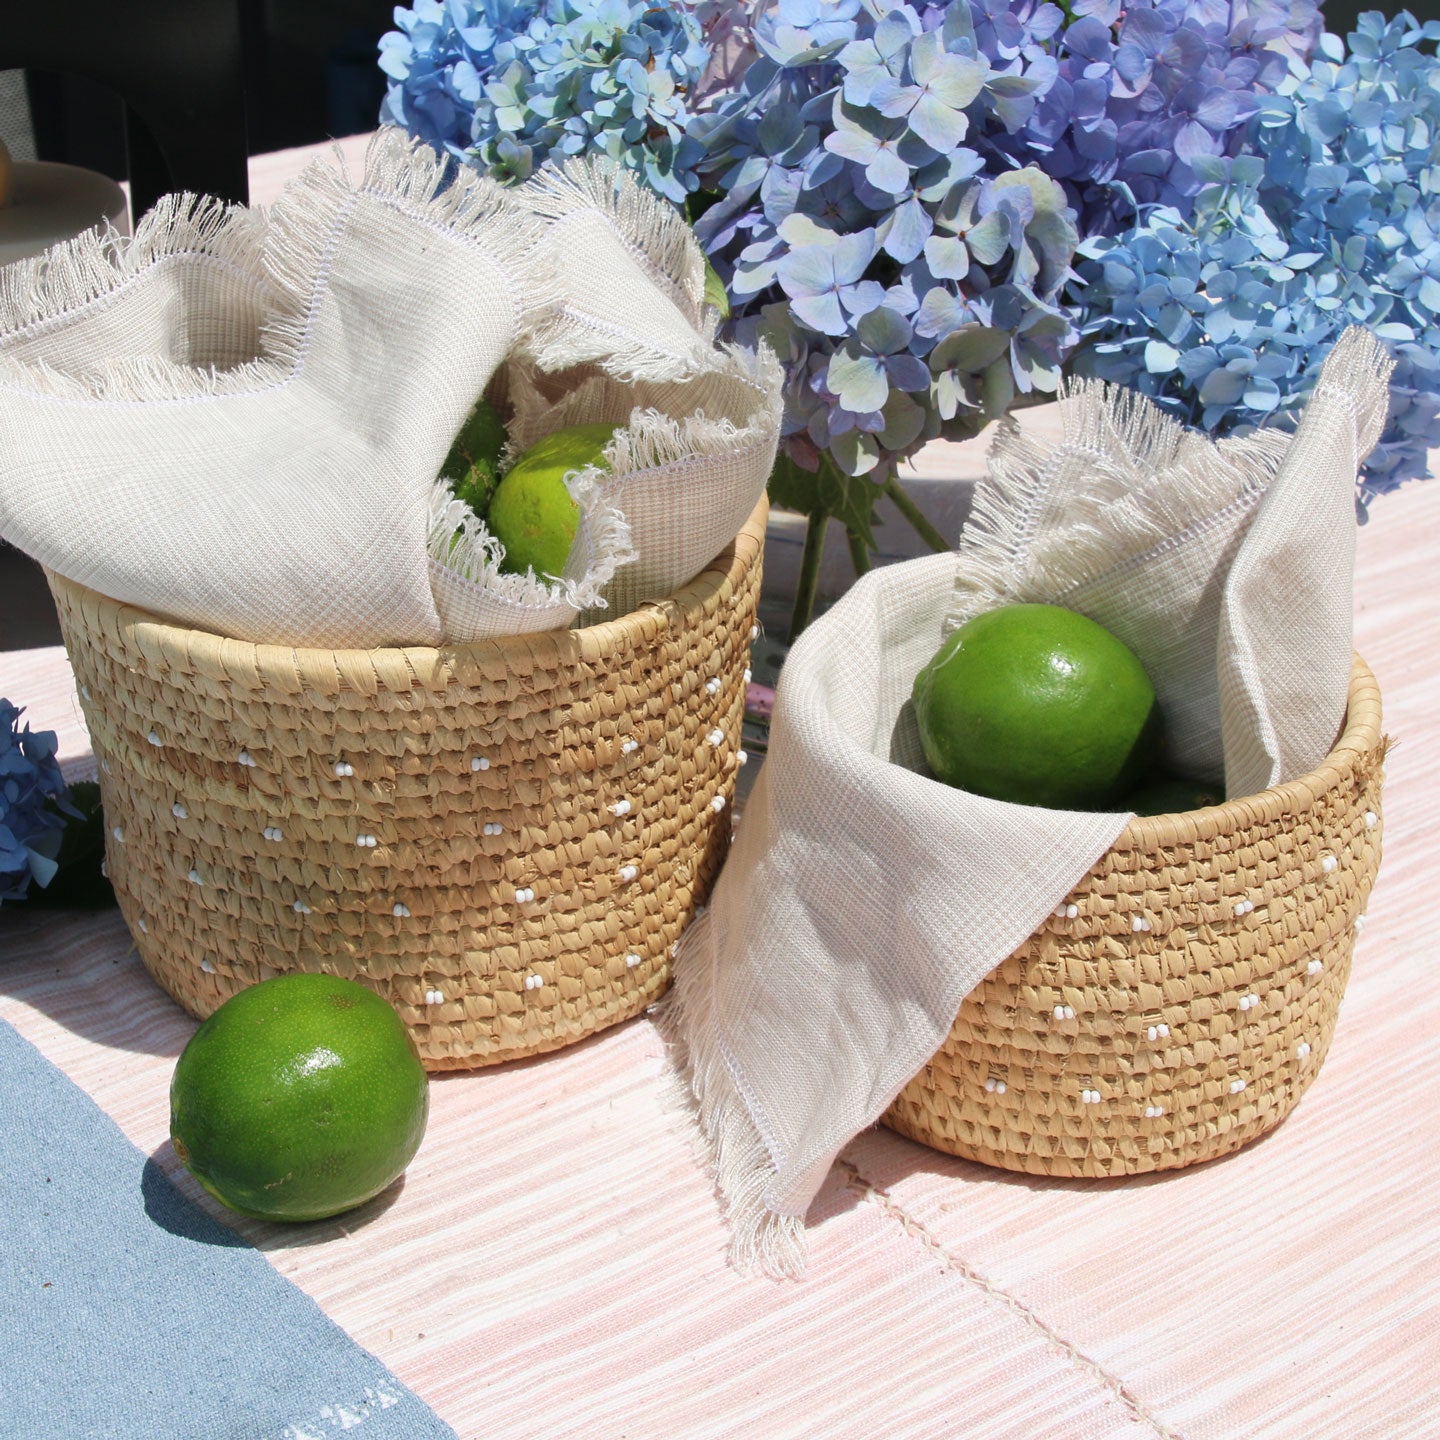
x=1131, y=444
x=699, y=1086
x=560, y=335
x=46, y=288
x=288, y=249
x=654, y=232
x=458, y=540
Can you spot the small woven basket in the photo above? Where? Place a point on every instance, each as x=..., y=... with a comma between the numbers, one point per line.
x=505, y=839
x=1180, y=1001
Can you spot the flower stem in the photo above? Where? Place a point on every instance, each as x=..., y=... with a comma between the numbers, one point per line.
x=908, y=508
x=809, y=578
x=859, y=554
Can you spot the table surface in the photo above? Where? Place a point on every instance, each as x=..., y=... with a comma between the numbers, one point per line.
x=554, y=1262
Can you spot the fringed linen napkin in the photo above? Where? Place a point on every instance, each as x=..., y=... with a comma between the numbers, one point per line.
x=237, y=420
x=863, y=900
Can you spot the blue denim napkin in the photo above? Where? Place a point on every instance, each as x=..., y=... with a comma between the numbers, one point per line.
x=128, y=1313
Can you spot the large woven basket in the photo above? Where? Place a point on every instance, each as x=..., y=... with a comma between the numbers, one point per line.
x=1180, y=1001
x=505, y=839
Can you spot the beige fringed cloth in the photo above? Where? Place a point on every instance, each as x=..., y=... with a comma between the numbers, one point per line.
x=862, y=900
x=237, y=419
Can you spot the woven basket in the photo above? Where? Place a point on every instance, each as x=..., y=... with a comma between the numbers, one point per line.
x=1180, y=1001
x=504, y=839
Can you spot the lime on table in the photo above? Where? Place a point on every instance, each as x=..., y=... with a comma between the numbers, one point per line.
x=1038, y=705
x=298, y=1098
x=532, y=514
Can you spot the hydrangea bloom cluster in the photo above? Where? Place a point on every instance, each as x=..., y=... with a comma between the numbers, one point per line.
x=893, y=190
x=1330, y=218
x=1141, y=93
x=908, y=290
x=505, y=83
x=32, y=800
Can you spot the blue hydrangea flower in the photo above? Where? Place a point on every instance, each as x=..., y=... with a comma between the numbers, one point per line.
x=1332, y=218
x=1139, y=93
x=911, y=291
x=505, y=83
x=32, y=803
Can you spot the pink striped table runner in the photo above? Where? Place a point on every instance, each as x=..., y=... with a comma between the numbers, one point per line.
x=554, y=1263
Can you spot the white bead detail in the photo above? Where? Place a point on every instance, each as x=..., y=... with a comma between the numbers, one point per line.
x=119, y=834
x=207, y=967
x=629, y=872
x=718, y=804
x=620, y=807
x=1302, y=1050
x=244, y=758
x=629, y=745
x=400, y=912
x=1154, y=1112
x=366, y=841
x=742, y=757
x=105, y=868
x=1371, y=819
x=144, y=928
x=1249, y=1002
x=301, y=908
x=716, y=738
x=274, y=832
x=1236, y=1086
x=524, y=896
x=1359, y=923
x=1139, y=923
x=434, y=997
x=84, y=692
x=1244, y=907
x=1314, y=967
x=154, y=738
x=179, y=811
x=534, y=982
x=1329, y=864
x=1090, y=1097
x=754, y=632
x=631, y=961
x=1066, y=912
x=493, y=827
x=749, y=675
x=105, y=766
x=344, y=769
x=194, y=877
x=1158, y=1032
x=674, y=949
x=994, y=1086
x=713, y=685
x=1064, y=1012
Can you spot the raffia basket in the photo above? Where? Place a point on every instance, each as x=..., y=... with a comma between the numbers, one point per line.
x=1180, y=1001
x=504, y=839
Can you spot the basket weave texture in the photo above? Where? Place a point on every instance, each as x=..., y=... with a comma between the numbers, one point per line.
x=1181, y=1000
x=505, y=839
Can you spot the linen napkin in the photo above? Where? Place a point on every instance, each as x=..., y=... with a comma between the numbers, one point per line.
x=238, y=420
x=863, y=900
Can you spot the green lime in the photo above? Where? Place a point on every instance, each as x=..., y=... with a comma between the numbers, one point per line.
x=1172, y=795
x=1040, y=706
x=532, y=514
x=473, y=464
x=298, y=1098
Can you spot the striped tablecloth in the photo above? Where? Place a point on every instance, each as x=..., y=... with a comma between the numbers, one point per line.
x=554, y=1263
